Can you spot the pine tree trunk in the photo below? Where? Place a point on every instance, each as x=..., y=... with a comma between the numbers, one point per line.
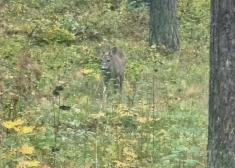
x=221, y=138
x=163, y=24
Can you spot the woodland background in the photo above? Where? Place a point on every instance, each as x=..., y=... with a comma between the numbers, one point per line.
x=51, y=109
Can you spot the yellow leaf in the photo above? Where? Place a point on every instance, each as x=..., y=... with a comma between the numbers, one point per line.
x=110, y=110
x=18, y=129
x=8, y=124
x=27, y=164
x=84, y=48
x=142, y=119
x=119, y=164
x=27, y=111
x=13, y=151
x=130, y=154
x=12, y=124
x=43, y=129
x=83, y=100
x=129, y=158
x=8, y=77
x=131, y=91
x=121, y=108
x=19, y=122
x=97, y=76
x=25, y=149
x=99, y=115
x=12, y=94
x=6, y=156
x=143, y=134
x=24, y=129
x=134, y=141
x=86, y=71
x=56, y=28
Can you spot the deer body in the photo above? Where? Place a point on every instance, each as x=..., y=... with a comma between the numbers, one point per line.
x=113, y=67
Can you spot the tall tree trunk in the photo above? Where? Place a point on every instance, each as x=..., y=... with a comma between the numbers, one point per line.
x=163, y=24
x=221, y=138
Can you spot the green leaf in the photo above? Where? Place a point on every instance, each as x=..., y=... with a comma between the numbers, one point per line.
x=75, y=123
x=153, y=46
x=181, y=148
x=190, y=162
x=175, y=143
x=194, y=150
x=172, y=156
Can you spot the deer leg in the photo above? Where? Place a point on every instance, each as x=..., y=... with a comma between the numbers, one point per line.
x=105, y=92
x=116, y=83
x=121, y=81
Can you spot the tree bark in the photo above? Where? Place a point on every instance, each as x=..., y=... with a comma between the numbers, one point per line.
x=163, y=28
x=221, y=136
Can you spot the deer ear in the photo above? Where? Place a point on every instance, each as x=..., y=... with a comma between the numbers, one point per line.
x=114, y=50
x=100, y=51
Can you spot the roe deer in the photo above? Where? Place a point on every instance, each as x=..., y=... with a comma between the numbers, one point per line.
x=113, y=67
